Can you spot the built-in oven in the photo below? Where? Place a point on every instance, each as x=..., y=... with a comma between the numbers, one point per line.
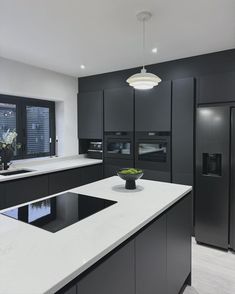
x=119, y=145
x=153, y=151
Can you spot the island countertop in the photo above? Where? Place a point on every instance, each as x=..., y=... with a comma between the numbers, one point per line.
x=34, y=261
x=47, y=165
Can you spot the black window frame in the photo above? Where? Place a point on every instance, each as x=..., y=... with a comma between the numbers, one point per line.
x=21, y=123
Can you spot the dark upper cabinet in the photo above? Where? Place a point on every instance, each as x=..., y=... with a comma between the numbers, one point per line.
x=216, y=88
x=25, y=190
x=90, y=115
x=118, y=109
x=179, y=253
x=115, y=275
x=183, y=131
x=150, y=246
x=153, y=108
x=2, y=195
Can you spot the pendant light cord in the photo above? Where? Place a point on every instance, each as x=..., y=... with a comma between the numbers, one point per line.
x=143, y=45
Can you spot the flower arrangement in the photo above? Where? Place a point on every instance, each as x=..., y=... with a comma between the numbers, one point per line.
x=8, y=145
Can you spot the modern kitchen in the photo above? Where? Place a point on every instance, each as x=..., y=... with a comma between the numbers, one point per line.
x=117, y=147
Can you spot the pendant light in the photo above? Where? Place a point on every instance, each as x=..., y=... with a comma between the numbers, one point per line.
x=143, y=80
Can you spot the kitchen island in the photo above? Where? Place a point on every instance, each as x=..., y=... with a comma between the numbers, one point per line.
x=141, y=244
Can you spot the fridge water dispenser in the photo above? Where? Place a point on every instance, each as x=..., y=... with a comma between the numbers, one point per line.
x=212, y=164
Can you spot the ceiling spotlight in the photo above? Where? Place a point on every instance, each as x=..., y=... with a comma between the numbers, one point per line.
x=82, y=66
x=154, y=50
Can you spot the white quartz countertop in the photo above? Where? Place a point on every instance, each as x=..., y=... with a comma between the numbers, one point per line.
x=49, y=165
x=34, y=261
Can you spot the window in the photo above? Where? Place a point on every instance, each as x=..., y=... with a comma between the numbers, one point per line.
x=33, y=120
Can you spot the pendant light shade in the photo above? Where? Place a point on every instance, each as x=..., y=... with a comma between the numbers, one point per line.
x=143, y=80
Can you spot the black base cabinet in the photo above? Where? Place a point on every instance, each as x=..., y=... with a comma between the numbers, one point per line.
x=24, y=190
x=179, y=228
x=150, y=248
x=157, y=260
x=2, y=196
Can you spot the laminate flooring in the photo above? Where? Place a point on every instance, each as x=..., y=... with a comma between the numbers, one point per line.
x=213, y=271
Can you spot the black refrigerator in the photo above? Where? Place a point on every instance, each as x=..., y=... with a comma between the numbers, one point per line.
x=215, y=176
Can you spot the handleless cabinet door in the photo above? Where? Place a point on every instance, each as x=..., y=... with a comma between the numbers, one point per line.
x=183, y=131
x=232, y=197
x=151, y=259
x=216, y=88
x=27, y=189
x=179, y=245
x=115, y=275
x=90, y=115
x=2, y=195
x=65, y=180
x=153, y=108
x=118, y=110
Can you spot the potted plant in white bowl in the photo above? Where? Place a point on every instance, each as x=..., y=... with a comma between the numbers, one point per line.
x=8, y=145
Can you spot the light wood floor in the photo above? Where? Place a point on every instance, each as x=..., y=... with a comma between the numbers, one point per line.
x=213, y=271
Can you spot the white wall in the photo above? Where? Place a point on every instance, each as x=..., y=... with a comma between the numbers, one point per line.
x=28, y=81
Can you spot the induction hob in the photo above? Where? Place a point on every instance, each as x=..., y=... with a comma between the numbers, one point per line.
x=56, y=213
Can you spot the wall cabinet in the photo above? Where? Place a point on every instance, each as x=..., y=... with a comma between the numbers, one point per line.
x=150, y=248
x=153, y=108
x=155, y=260
x=2, y=195
x=183, y=131
x=90, y=115
x=119, y=109
x=216, y=88
x=25, y=190
x=114, y=275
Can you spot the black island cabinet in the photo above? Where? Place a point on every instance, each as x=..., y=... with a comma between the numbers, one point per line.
x=156, y=260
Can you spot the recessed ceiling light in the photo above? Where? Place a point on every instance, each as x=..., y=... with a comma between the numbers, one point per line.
x=154, y=50
x=82, y=66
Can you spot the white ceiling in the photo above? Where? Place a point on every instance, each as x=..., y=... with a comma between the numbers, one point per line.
x=105, y=36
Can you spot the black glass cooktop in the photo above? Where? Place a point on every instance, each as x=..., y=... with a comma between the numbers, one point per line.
x=59, y=212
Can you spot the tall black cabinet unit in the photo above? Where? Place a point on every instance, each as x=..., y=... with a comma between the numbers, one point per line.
x=212, y=176
x=183, y=131
x=118, y=129
x=90, y=115
x=153, y=109
x=232, y=181
x=152, y=119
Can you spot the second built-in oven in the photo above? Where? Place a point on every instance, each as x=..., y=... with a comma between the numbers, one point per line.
x=153, y=151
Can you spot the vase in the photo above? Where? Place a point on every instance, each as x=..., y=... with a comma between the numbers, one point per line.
x=6, y=155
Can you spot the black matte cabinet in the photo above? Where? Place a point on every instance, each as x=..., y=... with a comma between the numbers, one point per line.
x=72, y=178
x=111, y=167
x=2, y=195
x=90, y=115
x=25, y=190
x=183, y=131
x=179, y=253
x=119, y=109
x=116, y=275
x=216, y=88
x=92, y=173
x=151, y=246
x=153, y=108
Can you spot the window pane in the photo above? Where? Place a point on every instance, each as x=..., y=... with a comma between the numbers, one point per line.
x=7, y=117
x=38, y=130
